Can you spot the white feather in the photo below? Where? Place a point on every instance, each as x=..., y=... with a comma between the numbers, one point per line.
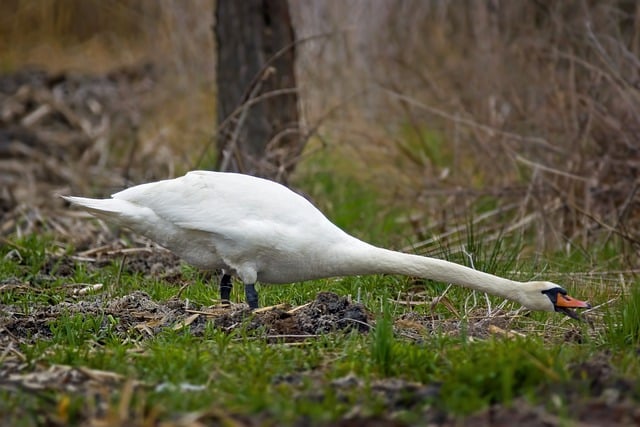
x=262, y=231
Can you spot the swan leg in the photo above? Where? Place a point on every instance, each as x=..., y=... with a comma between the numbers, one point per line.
x=251, y=295
x=225, y=289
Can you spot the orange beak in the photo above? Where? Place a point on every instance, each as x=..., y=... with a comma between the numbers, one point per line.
x=568, y=302
x=564, y=304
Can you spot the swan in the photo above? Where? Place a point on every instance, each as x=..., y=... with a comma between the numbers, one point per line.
x=261, y=231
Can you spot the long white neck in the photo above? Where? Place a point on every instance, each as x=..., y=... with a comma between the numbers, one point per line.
x=360, y=258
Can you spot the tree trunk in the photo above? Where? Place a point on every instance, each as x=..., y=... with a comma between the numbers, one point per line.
x=255, y=59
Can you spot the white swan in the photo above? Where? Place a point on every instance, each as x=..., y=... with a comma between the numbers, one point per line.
x=259, y=230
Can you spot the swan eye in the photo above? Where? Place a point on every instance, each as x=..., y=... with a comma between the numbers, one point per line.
x=554, y=292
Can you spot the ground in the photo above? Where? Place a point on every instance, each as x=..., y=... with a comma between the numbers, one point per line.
x=137, y=316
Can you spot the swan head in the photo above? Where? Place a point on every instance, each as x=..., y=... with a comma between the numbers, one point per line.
x=548, y=296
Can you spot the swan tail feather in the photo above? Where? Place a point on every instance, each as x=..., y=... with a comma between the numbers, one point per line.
x=111, y=209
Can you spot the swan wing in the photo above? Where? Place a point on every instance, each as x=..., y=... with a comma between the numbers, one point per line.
x=229, y=205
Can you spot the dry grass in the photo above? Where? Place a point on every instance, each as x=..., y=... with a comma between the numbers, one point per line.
x=176, y=114
x=533, y=107
x=526, y=115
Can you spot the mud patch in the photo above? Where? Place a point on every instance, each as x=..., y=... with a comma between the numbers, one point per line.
x=595, y=396
x=394, y=394
x=330, y=312
x=327, y=313
x=137, y=313
x=590, y=411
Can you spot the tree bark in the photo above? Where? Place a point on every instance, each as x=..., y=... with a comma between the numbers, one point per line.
x=258, y=122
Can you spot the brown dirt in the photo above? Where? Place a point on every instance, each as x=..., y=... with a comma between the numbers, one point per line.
x=611, y=404
x=603, y=397
x=596, y=397
x=138, y=314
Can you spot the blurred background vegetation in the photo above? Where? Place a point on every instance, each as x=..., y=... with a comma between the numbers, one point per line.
x=521, y=117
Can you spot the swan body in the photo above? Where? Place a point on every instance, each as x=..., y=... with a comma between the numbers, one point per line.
x=259, y=230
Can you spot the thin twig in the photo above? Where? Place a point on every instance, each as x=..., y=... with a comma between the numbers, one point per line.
x=473, y=124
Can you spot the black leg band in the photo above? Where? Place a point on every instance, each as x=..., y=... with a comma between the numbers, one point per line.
x=225, y=289
x=251, y=295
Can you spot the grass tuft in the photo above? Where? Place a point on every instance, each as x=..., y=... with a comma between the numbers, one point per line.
x=382, y=343
x=623, y=321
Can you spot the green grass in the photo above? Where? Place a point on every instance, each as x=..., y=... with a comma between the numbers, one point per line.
x=623, y=323
x=383, y=343
x=242, y=373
